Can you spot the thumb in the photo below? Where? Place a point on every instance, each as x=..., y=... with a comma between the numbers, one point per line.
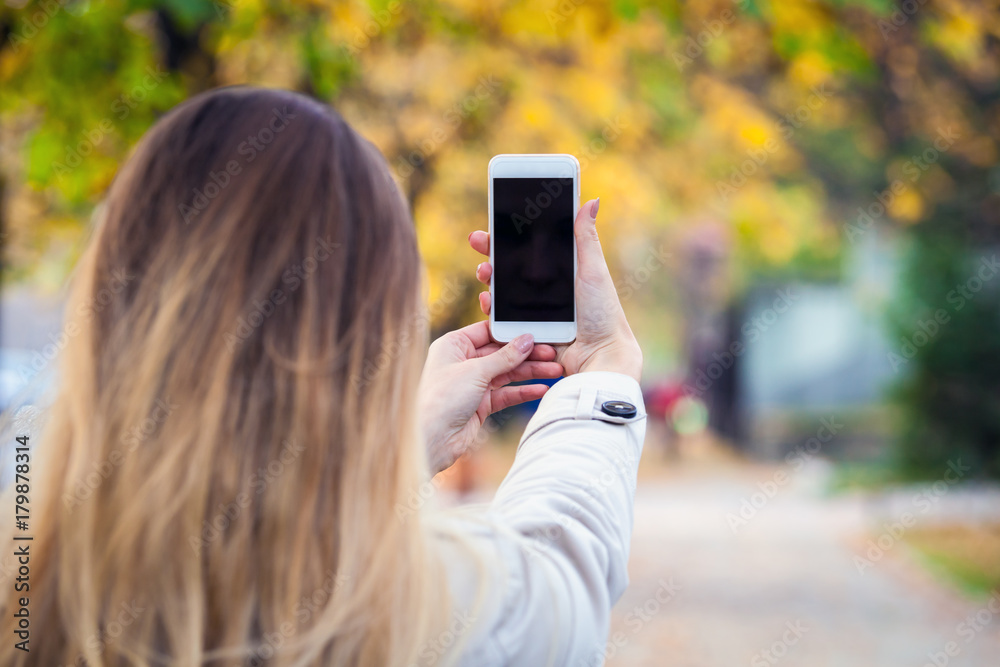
x=507, y=358
x=588, y=245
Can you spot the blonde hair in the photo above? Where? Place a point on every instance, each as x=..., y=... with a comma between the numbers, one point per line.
x=234, y=430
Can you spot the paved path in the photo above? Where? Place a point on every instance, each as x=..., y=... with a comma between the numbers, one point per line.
x=784, y=589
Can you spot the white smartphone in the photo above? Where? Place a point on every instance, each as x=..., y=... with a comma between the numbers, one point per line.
x=533, y=203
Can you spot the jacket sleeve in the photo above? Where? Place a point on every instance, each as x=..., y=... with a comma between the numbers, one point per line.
x=564, y=516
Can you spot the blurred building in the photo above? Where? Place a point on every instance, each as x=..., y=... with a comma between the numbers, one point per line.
x=30, y=339
x=820, y=350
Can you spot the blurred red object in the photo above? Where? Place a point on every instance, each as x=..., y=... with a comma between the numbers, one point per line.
x=661, y=398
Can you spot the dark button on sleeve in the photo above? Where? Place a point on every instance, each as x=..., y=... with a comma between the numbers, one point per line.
x=619, y=409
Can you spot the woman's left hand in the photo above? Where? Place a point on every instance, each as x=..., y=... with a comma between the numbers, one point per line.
x=463, y=383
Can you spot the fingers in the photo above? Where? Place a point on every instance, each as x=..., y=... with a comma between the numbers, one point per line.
x=505, y=397
x=538, y=353
x=477, y=333
x=587, y=243
x=480, y=242
x=483, y=273
x=507, y=358
x=542, y=352
x=529, y=370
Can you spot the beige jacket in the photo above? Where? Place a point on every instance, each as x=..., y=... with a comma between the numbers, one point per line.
x=549, y=556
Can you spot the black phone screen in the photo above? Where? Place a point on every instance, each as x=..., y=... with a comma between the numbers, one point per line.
x=533, y=249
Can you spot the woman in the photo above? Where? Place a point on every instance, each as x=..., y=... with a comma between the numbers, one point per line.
x=233, y=472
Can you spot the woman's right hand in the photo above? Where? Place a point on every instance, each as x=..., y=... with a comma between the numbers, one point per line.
x=604, y=340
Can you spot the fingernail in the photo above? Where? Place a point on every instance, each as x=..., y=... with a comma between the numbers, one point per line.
x=524, y=342
x=470, y=236
x=593, y=209
x=480, y=267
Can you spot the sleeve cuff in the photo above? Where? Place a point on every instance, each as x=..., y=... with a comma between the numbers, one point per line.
x=582, y=396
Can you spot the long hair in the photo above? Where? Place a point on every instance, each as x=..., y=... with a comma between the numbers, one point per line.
x=220, y=475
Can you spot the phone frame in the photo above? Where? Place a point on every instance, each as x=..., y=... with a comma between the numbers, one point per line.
x=534, y=165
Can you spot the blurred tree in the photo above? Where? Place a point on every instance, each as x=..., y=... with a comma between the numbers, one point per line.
x=664, y=103
x=941, y=121
x=946, y=326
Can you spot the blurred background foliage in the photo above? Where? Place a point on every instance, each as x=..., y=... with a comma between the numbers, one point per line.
x=770, y=125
